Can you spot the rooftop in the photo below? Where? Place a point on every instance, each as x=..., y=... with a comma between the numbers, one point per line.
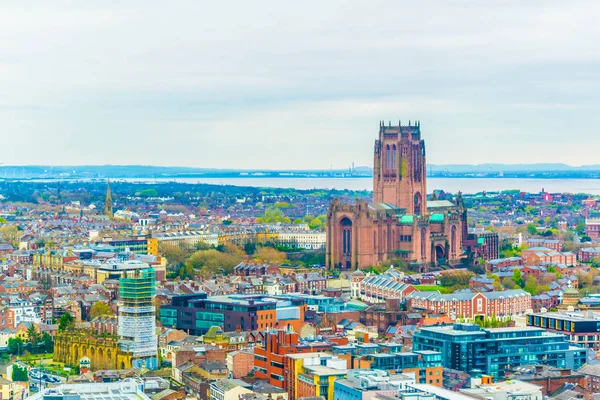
x=570, y=316
x=126, y=389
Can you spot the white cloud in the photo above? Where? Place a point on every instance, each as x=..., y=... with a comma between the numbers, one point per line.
x=285, y=84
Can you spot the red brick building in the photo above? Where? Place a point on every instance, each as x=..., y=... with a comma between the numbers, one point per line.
x=400, y=222
x=200, y=355
x=5, y=248
x=269, y=357
x=107, y=325
x=539, y=255
x=552, y=244
x=240, y=363
x=471, y=305
x=588, y=254
x=592, y=225
x=549, y=379
x=501, y=263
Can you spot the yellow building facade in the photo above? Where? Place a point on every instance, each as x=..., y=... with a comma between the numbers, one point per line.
x=103, y=352
x=310, y=378
x=47, y=258
x=152, y=244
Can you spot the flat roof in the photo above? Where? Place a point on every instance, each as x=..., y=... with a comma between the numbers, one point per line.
x=323, y=370
x=439, y=392
x=309, y=355
x=574, y=316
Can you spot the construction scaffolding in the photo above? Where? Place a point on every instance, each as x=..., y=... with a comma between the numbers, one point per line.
x=137, y=317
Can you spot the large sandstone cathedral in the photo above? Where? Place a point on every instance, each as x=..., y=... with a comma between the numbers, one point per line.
x=400, y=223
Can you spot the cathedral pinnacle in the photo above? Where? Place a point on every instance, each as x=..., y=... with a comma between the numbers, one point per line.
x=108, y=204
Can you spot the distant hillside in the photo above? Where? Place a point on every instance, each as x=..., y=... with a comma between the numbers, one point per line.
x=545, y=167
x=547, y=170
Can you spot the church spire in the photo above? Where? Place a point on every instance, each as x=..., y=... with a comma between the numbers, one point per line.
x=108, y=205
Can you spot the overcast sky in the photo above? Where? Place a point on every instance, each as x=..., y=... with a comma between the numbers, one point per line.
x=281, y=84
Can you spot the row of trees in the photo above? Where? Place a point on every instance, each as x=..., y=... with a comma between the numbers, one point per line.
x=36, y=343
x=205, y=260
x=275, y=214
x=530, y=285
x=455, y=281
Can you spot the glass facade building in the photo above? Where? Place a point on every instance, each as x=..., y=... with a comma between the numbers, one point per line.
x=197, y=313
x=467, y=347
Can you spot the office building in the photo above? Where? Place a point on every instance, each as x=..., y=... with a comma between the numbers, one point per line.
x=467, y=347
x=269, y=358
x=580, y=328
x=312, y=374
x=197, y=313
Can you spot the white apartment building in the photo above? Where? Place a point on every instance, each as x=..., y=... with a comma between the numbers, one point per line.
x=309, y=240
x=188, y=237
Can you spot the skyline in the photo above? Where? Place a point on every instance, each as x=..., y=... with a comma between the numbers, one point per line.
x=282, y=87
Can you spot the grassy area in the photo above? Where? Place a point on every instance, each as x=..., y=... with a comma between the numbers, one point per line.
x=58, y=369
x=36, y=357
x=432, y=288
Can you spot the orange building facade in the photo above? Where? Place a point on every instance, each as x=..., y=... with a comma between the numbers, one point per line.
x=270, y=361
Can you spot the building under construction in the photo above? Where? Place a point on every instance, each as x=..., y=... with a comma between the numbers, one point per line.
x=137, y=323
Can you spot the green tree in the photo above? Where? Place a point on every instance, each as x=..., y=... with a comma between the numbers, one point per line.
x=19, y=374
x=270, y=255
x=15, y=345
x=580, y=228
x=530, y=210
x=455, y=279
x=47, y=342
x=65, y=322
x=11, y=234
x=508, y=283
x=283, y=205
x=186, y=271
x=542, y=289
x=250, y=248
x=531, y=229
x=202, y=246
x=175, y=254
x=148, y=193
x=518, y=277
x=33, y=337
x=273, y=215
x=317, y=223
x=214, y=262
x=531, y=285
x=100, y=309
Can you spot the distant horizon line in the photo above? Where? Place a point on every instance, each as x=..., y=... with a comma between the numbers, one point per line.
x=464, y=165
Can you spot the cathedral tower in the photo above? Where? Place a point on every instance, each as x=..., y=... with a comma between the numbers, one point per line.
x=108, y=205
x=400, y=226
x=399, y=176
